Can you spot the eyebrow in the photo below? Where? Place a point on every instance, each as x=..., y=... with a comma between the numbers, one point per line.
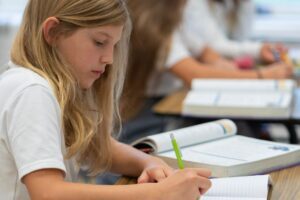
x=104, y=33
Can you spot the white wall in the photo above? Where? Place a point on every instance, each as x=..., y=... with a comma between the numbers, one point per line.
x=10, y=17
x=6, y=37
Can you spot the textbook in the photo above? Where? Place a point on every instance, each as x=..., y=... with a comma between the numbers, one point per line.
x=216, y=145
x=239, y=188
x=272, y=99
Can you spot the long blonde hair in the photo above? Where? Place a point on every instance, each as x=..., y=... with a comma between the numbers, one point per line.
x=88, y=116
x=154, y=22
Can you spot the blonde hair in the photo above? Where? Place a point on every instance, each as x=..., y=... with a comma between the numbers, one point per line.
x=154, y=22
x=88, y=116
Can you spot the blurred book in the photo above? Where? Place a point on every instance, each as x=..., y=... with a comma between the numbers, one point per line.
x=240, y=98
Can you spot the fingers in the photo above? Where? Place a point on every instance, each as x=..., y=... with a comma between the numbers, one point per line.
x=272, y=52
x=168, y=172
x=200, y=171
x=155, y=175
x=203, y=184
x=144, y=178
x=201, y=176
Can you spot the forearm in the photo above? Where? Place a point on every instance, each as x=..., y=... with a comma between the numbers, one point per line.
x=129, y=161
x=77, y=191
x=189, y=69
x=208, y=55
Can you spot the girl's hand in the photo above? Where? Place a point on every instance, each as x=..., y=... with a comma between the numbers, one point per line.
x=272, y=53
x=155, y=171
x=188, y=184
x=277, y=71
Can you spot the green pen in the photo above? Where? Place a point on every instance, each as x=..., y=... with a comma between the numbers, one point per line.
x=177, y=151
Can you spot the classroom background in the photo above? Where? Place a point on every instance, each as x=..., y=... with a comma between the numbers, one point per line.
x=275, y=21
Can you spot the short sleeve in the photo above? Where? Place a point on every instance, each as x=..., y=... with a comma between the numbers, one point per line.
x=177, y=52
x=34, y=131
x=194, y=26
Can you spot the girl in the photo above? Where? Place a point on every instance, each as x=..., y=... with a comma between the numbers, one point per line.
x=225, y=26
x=59, y=104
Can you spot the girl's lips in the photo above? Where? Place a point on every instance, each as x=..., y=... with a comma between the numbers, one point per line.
x=97, y=72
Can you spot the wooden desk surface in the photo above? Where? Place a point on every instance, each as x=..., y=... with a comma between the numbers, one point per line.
x=286, y=184
x=171, y=105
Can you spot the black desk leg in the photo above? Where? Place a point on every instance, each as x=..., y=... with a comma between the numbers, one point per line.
x=292, y=132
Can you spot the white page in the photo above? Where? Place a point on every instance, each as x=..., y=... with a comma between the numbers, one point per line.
x=241, y=99
x=239, y=187
x=242, y=85
x=254, y=99
x=230, y=198
x=194, y=134
x=232, y=151
x=201, y=98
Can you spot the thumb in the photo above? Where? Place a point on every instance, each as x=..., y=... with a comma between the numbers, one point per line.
x=144, y=178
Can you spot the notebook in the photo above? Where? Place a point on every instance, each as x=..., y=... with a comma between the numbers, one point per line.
x=259, y=99
x=239, y=188
x=216, y=145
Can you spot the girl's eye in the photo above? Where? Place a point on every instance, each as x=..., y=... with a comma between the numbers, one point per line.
x=98, y=43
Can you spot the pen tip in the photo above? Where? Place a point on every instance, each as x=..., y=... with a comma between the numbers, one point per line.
x=172, y=136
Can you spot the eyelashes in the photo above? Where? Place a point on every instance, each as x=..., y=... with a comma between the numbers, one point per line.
x=99, y=43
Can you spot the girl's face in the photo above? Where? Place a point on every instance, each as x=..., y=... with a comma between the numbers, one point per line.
x=89, y=50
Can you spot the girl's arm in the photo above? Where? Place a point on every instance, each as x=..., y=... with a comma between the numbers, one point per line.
x=189, y=68
x=210, y=56
x=49, y=184
x=131, y=162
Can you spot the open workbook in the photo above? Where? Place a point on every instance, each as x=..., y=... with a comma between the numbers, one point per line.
x=239, y=188
x=216, y=145
x=240, y=98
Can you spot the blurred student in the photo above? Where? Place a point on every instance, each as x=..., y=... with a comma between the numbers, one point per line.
x=160, y=64
x=225, y=25
x=58, y=109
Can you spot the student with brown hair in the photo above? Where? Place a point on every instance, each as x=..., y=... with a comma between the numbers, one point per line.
x=160, y=63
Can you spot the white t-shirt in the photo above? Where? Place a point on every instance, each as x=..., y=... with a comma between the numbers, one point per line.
x=244, y=23
x=163, y=82
x=200, y=24
x=30, y=131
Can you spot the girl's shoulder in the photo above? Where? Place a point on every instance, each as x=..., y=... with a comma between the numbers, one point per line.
x=15, y=81
x=20, y=77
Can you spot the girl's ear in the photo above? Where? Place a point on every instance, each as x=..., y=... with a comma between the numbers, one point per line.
x=49, y=26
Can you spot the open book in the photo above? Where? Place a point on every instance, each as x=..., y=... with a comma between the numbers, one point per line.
x=239, y=188
x=216, y=146
x=240, y=98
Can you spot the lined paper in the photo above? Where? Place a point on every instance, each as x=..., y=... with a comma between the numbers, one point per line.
x=244, y=187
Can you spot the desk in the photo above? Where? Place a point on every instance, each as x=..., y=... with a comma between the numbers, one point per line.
x=286, y=184
x=172, y=105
